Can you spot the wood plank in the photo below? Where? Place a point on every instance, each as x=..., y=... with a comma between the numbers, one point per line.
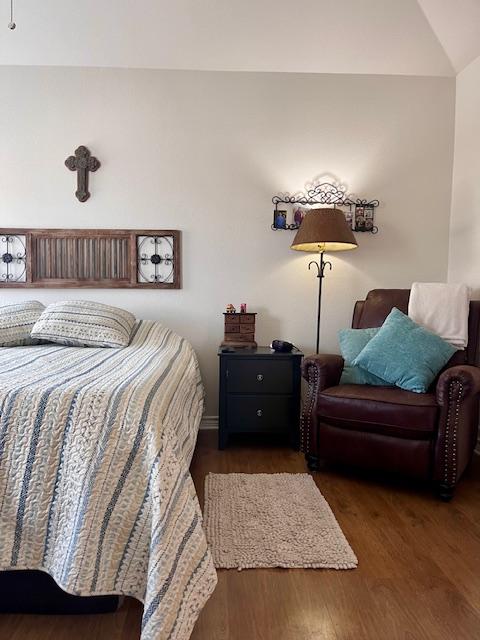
x=418, y=576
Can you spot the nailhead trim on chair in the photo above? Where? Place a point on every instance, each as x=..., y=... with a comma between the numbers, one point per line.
x=306, y=422
x=455, y=407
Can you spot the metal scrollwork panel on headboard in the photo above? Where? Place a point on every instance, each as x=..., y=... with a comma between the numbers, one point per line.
x=13, y=258
x=96, y=258
x=155, y=258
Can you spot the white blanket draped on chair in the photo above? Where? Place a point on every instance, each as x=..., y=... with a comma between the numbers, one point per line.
x=442, y=309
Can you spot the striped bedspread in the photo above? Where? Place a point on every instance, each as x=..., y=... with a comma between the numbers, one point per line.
x=95, y=446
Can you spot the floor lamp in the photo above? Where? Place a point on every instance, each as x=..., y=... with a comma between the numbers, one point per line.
x=322, y=231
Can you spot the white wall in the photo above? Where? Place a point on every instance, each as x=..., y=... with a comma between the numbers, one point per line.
x=464, y=256
x=205, y=152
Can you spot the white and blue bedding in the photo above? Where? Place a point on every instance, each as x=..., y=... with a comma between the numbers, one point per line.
x=95, y=489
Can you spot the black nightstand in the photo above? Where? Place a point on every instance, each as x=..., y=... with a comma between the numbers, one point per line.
x=259, y=393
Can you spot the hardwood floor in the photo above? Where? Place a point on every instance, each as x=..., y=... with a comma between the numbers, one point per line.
x=418, y=575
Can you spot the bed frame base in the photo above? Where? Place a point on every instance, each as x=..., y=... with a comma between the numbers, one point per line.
x=37, y=592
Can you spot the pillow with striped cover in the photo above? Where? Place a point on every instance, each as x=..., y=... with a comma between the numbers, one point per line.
x=81, y=323
x=17, y=321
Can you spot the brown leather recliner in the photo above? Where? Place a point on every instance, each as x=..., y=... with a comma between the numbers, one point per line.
x=425, y=435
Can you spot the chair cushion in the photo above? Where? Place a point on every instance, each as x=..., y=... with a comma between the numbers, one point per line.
x=405, y=354
x=386, y=410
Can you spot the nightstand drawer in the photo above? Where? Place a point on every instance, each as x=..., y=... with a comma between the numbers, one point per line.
x=259, y=413
x=259, y=389
x=260, y=375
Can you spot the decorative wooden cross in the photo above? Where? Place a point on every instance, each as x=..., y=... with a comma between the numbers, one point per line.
x=82, y=162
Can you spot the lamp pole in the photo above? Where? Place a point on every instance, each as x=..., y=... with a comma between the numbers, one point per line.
x=321, y=264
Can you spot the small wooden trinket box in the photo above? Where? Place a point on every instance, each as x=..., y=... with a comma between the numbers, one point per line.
x=239, y=330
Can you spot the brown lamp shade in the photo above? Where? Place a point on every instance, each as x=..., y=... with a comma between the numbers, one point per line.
x=324, y=230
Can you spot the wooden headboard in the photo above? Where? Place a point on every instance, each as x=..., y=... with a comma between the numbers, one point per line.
x=107, y=258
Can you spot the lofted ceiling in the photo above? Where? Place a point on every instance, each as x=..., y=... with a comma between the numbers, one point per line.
x=424, y=37
x=456, y=24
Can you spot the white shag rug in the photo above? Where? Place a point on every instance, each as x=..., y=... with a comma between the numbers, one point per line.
x=272, y=520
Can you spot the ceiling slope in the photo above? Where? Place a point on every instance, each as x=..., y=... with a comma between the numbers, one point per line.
x=457, y=26
x=322, y=36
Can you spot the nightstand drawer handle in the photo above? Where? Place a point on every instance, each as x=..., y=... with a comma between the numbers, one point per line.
x=259, y=377
x=259, y=413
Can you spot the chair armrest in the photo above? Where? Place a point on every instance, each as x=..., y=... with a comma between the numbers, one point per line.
x=459, y=382
x=320, y=371
x=457, y=394
x=326, y=367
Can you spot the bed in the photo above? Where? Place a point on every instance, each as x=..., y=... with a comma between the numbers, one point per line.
x=95, y=489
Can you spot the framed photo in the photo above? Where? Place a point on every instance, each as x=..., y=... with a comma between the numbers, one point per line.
x=279, y=219
x=298, y=216
x=368, y=215
x=349, y=217
x=359, y=222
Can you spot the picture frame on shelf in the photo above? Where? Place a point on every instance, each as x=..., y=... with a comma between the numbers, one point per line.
x=369, y=213
x=349, y=217
x=363, y=218
x=359, y=218
x=298, y=216
x=279, y=219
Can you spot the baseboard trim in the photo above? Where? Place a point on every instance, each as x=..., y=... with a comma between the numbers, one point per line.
x=209, y=422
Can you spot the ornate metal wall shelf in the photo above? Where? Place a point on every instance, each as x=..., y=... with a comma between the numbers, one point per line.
x=360, y=213
x=96, y=258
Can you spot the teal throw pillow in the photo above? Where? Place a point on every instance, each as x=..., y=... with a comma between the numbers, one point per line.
x=352, y=341
x=405, y=354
